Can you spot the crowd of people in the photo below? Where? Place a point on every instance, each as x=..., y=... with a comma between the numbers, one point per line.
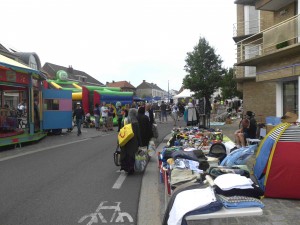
x=13, y=111
x=11, y=116
x=142, y=117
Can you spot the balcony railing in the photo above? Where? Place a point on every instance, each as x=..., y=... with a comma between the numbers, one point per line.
x=242, y=72
x=270, y=40
x=250, y=27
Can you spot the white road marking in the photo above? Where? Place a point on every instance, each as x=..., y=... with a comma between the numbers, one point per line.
x=120, y=181
x=118, y=216
x=42, y=149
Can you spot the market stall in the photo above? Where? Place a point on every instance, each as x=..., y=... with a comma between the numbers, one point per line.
x=25, y=82
x=203, y=175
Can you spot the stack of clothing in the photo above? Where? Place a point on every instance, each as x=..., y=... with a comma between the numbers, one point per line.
x=190, y=199
x=231, y=191
x=236, y=191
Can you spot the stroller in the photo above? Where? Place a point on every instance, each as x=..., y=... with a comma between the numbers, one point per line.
x=87, y=122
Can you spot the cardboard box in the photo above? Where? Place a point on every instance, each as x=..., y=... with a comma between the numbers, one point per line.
x=269, y=128
x=289, y=118
x=228, y=121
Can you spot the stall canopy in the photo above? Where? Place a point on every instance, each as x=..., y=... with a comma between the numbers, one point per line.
x=186, y=93
x=7, y=63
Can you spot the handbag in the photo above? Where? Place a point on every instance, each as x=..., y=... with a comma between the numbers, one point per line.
x=125, y=134
x=154, y=130
x=141, y=159
x=117, y=156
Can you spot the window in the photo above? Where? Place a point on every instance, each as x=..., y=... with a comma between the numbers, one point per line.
x=290, y=97
x=51, y=104
x=32, y=62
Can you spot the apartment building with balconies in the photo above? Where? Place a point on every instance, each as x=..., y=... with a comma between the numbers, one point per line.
x=268, y=55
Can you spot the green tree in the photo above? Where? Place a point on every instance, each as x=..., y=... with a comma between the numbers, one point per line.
x=229, y=85
x=204, y=70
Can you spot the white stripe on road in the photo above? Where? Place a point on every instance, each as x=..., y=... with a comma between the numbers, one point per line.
x=120, y=181
x=42, y=149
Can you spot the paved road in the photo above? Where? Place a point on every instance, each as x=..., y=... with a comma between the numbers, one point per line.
x=68, y=184
x=67, y=179
x=152, y=199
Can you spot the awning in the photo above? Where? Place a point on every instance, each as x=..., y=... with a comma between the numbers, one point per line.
x=19, y=67
x=186, y=93
x=137, y=99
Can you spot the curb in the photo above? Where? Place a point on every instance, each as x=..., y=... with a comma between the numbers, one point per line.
x=150, y=204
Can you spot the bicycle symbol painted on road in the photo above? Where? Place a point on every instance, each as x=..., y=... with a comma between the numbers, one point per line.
x=117, y=216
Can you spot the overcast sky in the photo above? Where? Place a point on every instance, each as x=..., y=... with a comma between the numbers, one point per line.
x=131, y=40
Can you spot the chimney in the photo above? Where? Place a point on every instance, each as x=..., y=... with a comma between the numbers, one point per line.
x=70, y=69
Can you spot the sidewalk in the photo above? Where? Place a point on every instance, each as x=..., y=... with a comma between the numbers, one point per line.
x=152, y=198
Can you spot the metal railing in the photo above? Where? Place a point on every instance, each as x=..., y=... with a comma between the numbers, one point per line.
x=270, y=40
x=244, y=72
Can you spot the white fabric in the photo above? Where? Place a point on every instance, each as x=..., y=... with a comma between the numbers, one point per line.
x=125, y=121
x=192, y=115
x=190, y=104
x=229, y=145
x=184, y=94
x=174, y=108
x=189, y=200
x=189, y=149
x=21, y=107
x=147, y=113
x=104, y=111
x=230, y=181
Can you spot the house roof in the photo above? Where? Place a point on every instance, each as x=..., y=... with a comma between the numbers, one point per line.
x=73, y=74
x=146, y=85
x=120, y=84
x=17, y=66
x=25, y=57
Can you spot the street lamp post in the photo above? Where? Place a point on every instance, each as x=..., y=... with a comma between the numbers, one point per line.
x=168, y=93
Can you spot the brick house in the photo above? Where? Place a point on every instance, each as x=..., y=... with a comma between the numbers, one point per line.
x=267, y=68
x=73, y=75
x=124, y=85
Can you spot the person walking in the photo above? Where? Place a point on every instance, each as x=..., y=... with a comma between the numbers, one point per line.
x=125, y=119
x=79, y=115
x=145, y=127
x=104, y=115
x=110, y=117
x=149, y=113
x=97, y=116
x=129, y=150
x=119, y=115
x=175, y=114
x=163, y=111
